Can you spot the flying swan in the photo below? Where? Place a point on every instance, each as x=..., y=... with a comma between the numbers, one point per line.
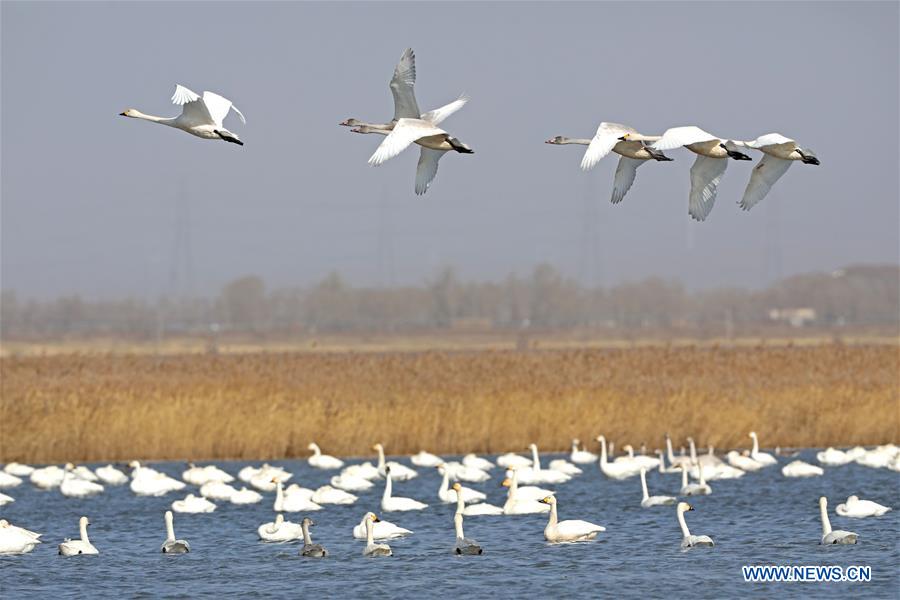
x=780, y=153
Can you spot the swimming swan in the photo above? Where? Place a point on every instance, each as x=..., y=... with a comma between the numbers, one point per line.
x=569, y=530
x=859, y=509
x=688, y=540
x=75, y=487
x=616, y=470
x=476, y=462
x=300, y=501
x=649, y=500
x=763, y=458
x=479, y=509
x=831, y=457
x=172, y=545
x=693, y=489
x=279, y=530
x=111, y=475
x=322, y=461
x=798, y=468
x=581, y=457
x=425, y=459
x=193, y=504
x=245, y=496
x=309, y=549
x=382, y=530
x=445, y=494
x=18, y=469
x=4, y=499
x=830, y=536
x=199, y=116
x=372, y=549
x=463, y=544
x=351, y=483
x=16, y=540
x=780, y=153
x=400, y=472
x=330, y=495
x=81, y=546
x=391, y=503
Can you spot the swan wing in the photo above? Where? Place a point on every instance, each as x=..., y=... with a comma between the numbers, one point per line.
x=604, y=140
x=625, y=174
x=575, y=527
x=218, y=107
x=770, y=139
x=676, y=137
x=404, y=133
x=765, y=174
x=439, y=114
x=427, y=169
x=402, y=83
x=705, y=177
x=192, y=106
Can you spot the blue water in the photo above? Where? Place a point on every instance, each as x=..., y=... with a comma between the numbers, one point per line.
x=761, y=518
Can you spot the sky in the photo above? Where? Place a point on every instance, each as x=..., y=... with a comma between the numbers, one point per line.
x=109, y=207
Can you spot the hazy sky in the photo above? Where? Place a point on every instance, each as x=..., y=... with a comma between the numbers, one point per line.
x=90, y=199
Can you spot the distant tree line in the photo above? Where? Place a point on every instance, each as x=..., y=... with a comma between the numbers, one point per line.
x=867, y=295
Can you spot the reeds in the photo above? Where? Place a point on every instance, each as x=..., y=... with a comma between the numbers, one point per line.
x=270, y=405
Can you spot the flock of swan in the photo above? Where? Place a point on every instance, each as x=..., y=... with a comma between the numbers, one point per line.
x=523, y=478
x=203, y=116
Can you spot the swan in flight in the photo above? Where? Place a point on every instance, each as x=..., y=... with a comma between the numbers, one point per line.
x=81, y=546
x=463, y=544
x=859, y=509
x=18, y=469
x=476, y=462
x=16, y=540
x=373, y=549
x=706, y=173
x=522, y=501
x=648, y=500
x=426, y=459
x=693, y=489
x=111, y=475
x=193, y=504
x=382, y=530
x=172, y=545
x=610, y=137
x=299, y=500
x=798, y=468
x=279, y=530
x=581, y=457
x=831, y=457
x=837, y=536
x=780, y=153
x=615, y=470
x=570, y=530
x=309, y=549
x=764, y=458
x=400, y=472
x=445, y=494
x=688, y=540
x=322, y=461
x=200, y=116
x=391, y=503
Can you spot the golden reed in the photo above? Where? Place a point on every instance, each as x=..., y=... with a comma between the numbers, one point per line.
x=271, y=405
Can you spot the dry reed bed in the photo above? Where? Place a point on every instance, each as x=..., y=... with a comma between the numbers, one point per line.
x=266, y=405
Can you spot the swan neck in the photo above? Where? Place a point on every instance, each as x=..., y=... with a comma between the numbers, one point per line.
x=684, y=528
x=279, y=496
x=458, y=524
x=170, y=528
x=684, y=480
x=445, y=482
x=826, y=522
x=370, y=535
x=380, y=458
x=602, y=451
x=136, y=114
x=84, y=533
x=460, y=504
x=316, y=450
x=553, y=515
x=693, y=451
x=306, y=539
x=755, y=445
x=535, y=458
x=669, y=449
x=700, y=468
x=387, y=488
x=644, y=484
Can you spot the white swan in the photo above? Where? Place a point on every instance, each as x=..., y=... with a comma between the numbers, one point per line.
x=706, y=173
x=71, y=547
x=837, y=536
x=476, y=462
x=193, y=504
x=780, y=153
x=745, y=463
x=647, y=500
x=111, y=475
x=859, y=509
x=216, y=490
x=300, y=501
x=663, y=469
x=463, y=544
x=74, y=487
x=520, y=501
x=4, y=499
x=47, y=477
x=8, y=480
x=511, y=460
x=400, y=472
x=245, y=496
x=798, y=468
x=564, y=466
x=614, y=470
x=351, y=483
x=425, y=459
x=675, y=460
x=581, y=457
x=146, y=481
x=18, y=469
x=538, y=475
x=694, y=489
x=16, y=540
x=279, y=530
x=391, y=503
x=364, y=470
x=330, y=495
x=639, y=460
x=610, y=138
x=172, y=545
x=763, y=458
x=479, y=509
x=309, y=549
x=322, y=461
x=201, y=117
x=382, y=530
x=458, y=470
x=445, y=494
x=202, y=475
x=82, y=472
x=569, y=530
x=373, y=549
x=831, y=457
x=688, y=540
x=248, y=473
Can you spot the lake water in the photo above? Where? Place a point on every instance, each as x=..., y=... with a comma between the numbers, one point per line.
x=762, y=518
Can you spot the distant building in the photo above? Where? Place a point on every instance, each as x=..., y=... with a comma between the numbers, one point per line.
x=797, y=317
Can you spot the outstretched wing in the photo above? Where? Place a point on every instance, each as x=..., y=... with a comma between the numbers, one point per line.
x=439, y=114
x=771, y=139
x=676, y=137
x=218, y=107
x=402, y=83
x=427, y=169
x=705, y=177
x=765, y=174
x=192, y=107
x=625, y=174
x=405, y=132
x=604, y=140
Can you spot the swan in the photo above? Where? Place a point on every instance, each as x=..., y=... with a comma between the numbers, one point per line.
x=694, y=489
x=463, y=544
x=351, y=483
x=400, y=472
x=330, y=495
x=193, y=504
x=111, y=475
x=405, y=106
x=479, y=509
x=688, y=540
x=745, y=463
x=16, y=540
x=663, y=469
x=202, y=475
x=279, y=530
x=640, y=460
x=457, y=470
x=855, y=452
x=713, y=465
x=364, y=470
x=266, y=471
x=4, y=499
x=581, y=457
x=82, y=546
x=609, y=139
x=476, y=462
x=445, y=494
x=373, y=549
x=648, y=500
x=382, y=530
x=564, y=466
x=322, y=461
x=216, y=490
x=8, y=480
x=511, y=460
x=831, y=457
x=82, y=472
x=396, y=503
x=675, y=460
x=425, y=459
x=830, y=536
x=621, y=470
x=538, y=475
x=569, y=530
x=780, y=153
x=519, y=503
x=172, y=545
x=709, y=167
x=309, y=549
x=18, y=469
x=761, y=457
x=875, y=458
x=295, y=502
x=245, y=496
x=74, y=487
x=798, y=468
x=47, y=478
x=146, y=481
x=859, y=509
x=199, y=116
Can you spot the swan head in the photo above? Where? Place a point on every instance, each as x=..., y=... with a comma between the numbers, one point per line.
x=625, y=137
x=548, y=500
x=130, y=112
x=84, y=521
x=308, y=522
x=684, y=507
x=532, y=446
x=378, y=447
x=823, y=502
x=506, y=482
x=456, y=486
x=601, y=438
x=559, y=139
x=69, y=466
x=752, y=434
x=807, y=156
x=373, y=517
x=851, y=499
x=350, y=123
